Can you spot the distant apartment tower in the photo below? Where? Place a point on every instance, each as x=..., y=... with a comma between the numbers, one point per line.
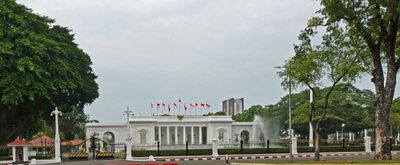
x=233, y=106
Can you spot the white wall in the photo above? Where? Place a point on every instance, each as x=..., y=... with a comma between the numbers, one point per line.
x=237, y=129
x=119, y=131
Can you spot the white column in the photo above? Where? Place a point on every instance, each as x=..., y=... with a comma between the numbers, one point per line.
x=167, y=135
x=14, y=152
x=294, y=145
x=176, y=135
x=101, y=146
x=184, y=135
x=129, y=149
x=192, y=134
x=349, y=136
x=215, y=147
x=26, y=152
x=87, y=145
x=252, y=135
x=337, y=135
x=57, y=136
x=365, y=133
x=367, y=144
x=159, y=134
x=311, y=135
x=200, y=135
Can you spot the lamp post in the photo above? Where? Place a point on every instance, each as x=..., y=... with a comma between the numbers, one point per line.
x=290, y=114
x=57, y=149
x=311, y=131
x=128, y=138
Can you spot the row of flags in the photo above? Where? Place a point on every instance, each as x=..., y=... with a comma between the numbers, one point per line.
x=175, y=105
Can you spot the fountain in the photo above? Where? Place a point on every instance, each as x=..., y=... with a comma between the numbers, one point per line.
x=268, y=129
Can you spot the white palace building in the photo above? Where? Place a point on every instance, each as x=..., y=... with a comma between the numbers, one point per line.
x=173, y=132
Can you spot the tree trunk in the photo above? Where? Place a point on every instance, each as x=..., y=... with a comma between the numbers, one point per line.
x=382, y=131
x=317, y=146
x=384, y=97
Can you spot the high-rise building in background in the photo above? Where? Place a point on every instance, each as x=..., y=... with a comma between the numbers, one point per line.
x=233, y=106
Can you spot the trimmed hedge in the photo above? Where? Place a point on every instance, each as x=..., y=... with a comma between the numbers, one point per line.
x=301, y=149
x=5, y=158
x=42, y=157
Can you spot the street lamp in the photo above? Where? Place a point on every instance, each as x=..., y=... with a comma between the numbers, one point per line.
x=57, y=148
x=290, y=114
x=128, y=138
x=311, y=131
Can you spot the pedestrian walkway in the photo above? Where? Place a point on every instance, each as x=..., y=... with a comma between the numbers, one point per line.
x=258, y=156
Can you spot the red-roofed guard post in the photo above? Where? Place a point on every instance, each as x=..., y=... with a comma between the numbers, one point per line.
x=19, y=150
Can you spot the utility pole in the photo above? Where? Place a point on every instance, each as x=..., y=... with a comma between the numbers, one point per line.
x=290, y=114
x=311, y=131
x=290, y=118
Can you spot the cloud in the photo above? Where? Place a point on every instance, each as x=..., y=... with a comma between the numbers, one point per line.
x=197, y=50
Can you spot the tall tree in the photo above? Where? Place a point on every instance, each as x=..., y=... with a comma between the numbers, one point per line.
x=376, y=23
x=334, y=59
x=40, y=67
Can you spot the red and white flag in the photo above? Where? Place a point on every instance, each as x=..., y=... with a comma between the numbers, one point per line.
x=174, y=105
x=186, y=108
x=208, y=105
x=169, y=107
x=180, y=101
x=163, y=104
x=158, y=105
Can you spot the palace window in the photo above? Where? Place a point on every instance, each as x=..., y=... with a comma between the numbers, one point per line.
x=221, y=134
x=142, y=136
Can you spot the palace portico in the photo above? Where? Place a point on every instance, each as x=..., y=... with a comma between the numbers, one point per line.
x=147, y=131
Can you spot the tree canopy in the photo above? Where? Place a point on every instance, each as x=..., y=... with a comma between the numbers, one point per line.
x=40, y=67
x=353, y=106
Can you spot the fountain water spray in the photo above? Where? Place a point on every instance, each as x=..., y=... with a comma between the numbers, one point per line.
x=267, y=127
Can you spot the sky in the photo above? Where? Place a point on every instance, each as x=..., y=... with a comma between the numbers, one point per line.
x=205, y=51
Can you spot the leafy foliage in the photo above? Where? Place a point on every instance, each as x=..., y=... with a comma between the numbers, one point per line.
x=219, y=113
x=248, y=115
x=40, y=67
x=353, y=106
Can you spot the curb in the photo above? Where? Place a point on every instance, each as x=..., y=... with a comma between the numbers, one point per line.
x=308, y=155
